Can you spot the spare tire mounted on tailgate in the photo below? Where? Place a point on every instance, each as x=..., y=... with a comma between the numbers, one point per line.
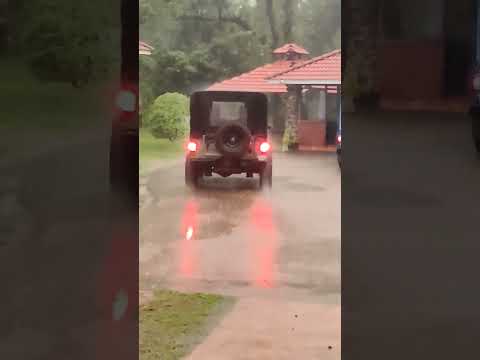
x=233, y=139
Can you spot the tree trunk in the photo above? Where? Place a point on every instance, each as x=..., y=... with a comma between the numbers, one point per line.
x=272, y=21
x=289, y=10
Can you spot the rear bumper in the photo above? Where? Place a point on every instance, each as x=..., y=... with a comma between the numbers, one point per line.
x=231, y=166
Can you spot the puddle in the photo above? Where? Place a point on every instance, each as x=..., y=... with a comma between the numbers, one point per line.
x=215, y=228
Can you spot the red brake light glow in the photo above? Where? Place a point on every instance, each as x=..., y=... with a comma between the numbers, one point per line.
x=339, y=139
x=192, y=147
x=264, y=147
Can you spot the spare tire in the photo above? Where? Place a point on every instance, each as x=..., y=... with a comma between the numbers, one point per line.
x=233, y=139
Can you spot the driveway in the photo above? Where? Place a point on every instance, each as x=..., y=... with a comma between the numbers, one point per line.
x=54, y=232
x=410, y=236
x=277, y=252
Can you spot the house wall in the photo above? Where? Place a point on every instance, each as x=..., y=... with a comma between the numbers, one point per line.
x=409, y=49
x=411, y=69
x=318, y=122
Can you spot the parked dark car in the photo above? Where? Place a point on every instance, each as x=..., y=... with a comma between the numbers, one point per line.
x=124, y=138
x=228, y=135
x=339, y=138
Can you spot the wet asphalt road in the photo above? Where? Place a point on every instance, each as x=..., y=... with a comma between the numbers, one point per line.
x=229, y=237
x=56, y=236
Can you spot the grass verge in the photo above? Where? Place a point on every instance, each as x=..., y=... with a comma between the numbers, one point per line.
x=172, y=323
x=152, y=149
x=28, y=103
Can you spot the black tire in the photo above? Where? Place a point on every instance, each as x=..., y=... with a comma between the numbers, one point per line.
x=238, y=149
x=266, y=175
x=192, y=174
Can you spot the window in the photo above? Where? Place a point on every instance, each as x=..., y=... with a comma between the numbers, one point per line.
x=227, y=111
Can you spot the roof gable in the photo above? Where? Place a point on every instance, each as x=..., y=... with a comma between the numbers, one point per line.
x=324, y=67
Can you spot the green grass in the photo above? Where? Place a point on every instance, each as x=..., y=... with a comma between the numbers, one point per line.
x=152, y=149
x=28, y=103
x=172, y=323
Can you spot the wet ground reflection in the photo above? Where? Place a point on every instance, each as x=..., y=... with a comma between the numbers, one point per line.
x=188, y=230
x=219, y=213
x=263, y=242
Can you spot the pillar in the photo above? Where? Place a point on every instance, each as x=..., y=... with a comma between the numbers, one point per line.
x=292, y=109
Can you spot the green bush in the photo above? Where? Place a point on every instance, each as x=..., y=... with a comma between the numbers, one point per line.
x=166, y=117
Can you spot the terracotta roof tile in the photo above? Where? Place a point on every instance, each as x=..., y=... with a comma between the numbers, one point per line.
x=144, y=48
x=291, y=47
x=325, y=67
x=254, y=80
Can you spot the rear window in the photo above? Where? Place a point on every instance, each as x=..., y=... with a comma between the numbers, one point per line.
x=222, y=112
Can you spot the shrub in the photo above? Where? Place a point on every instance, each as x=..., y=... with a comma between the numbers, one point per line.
x=166, y=117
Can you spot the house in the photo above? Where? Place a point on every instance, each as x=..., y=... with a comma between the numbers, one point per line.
x=317, y=85
x=302, y=93
x=412, y=53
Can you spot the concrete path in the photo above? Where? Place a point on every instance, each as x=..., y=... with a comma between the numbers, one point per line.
x=274, y=329
x=277, y=252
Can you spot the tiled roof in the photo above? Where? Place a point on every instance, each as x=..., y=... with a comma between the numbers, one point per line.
x=291, y=48
x=326, y=67
x=144, y=48
x=267, y=78
x=254, y=81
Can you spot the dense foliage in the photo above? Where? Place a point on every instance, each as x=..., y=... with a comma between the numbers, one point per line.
x=198, y=42
x=69, y=41
x=166, y=117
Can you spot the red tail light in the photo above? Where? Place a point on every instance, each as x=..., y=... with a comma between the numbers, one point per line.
x=264, y=147
x=192, y=146
x=339, y=139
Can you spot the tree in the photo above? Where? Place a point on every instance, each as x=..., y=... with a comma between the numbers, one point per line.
x=199, y=42
x=319, y=25
x=64, y=44
x=289, y=12
x=272, y=22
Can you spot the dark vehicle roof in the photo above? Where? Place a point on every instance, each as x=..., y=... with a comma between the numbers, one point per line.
x=200, y=105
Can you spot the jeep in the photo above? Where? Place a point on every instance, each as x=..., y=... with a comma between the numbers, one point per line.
x=228, y=135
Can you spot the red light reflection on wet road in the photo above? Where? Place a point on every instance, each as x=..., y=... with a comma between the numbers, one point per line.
x=188, y=229
x=117, y=295
x=263, y=243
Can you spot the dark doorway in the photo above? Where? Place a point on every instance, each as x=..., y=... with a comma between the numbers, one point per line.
x=459, y=23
